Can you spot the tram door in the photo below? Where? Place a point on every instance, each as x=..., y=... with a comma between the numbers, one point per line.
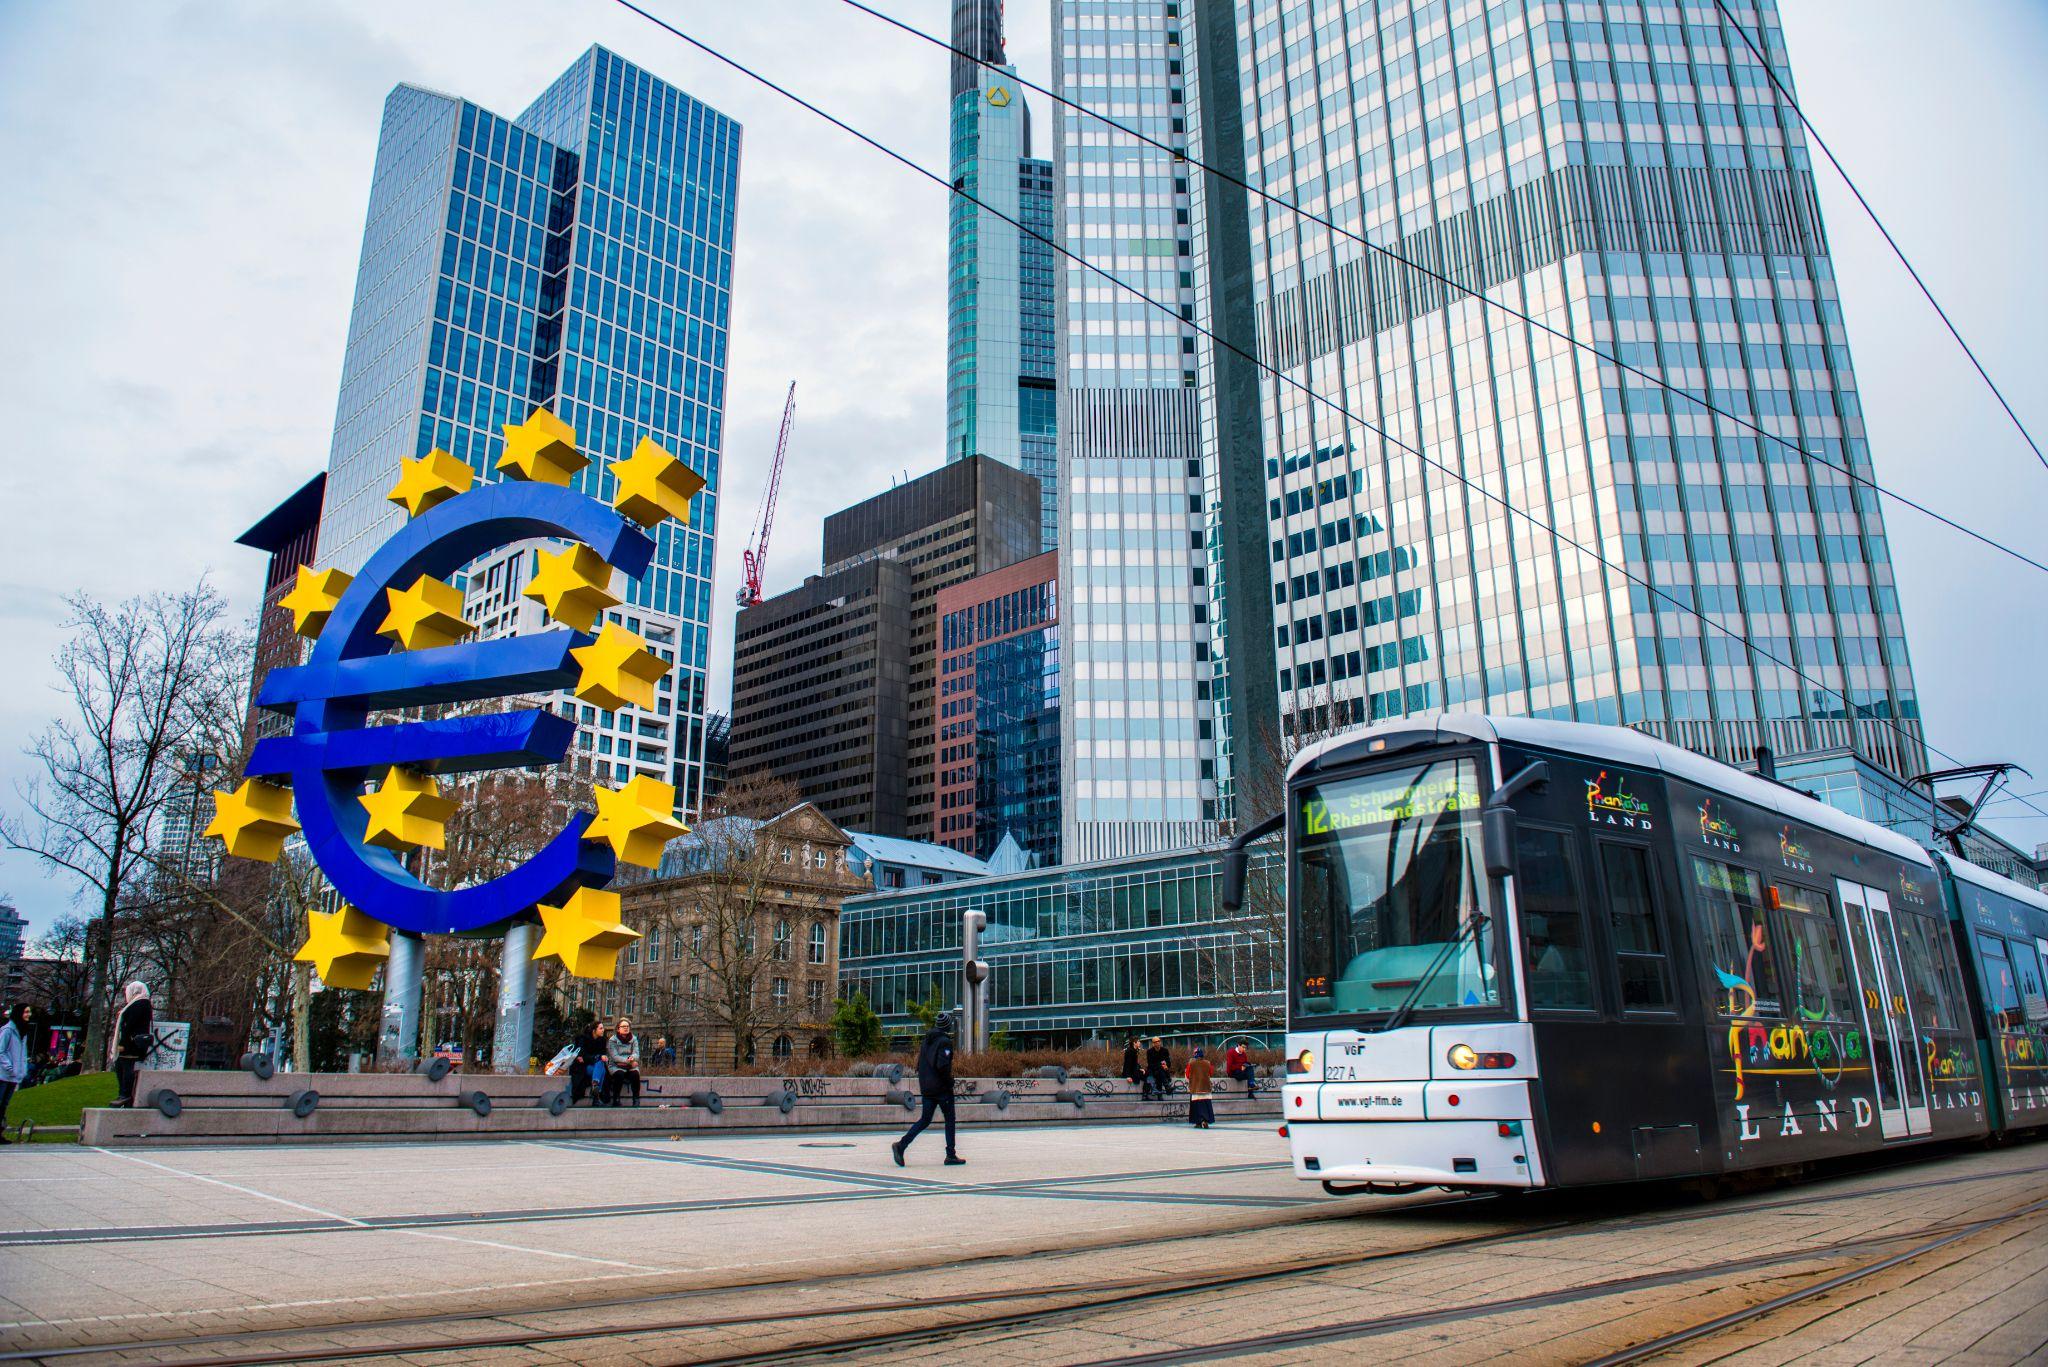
x=1889, y=1037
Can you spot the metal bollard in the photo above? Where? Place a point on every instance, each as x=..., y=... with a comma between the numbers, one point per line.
x=893, y=1072
x=166, y=1103
x=1000, y=1099
x=303, y=1102
x=555, y=1102
x=784, y=1101
x=434, y=1068
x=476, y=1101
x=262, y=1065
x=899, y=1097
x=708, y=1101
x=1071, y=1094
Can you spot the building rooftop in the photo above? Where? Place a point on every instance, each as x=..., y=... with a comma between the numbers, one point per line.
x=917, y=854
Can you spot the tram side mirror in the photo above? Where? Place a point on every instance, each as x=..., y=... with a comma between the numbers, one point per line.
x=1498, y=830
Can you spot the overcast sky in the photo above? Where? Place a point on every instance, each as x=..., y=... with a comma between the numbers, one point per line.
x=186, y=186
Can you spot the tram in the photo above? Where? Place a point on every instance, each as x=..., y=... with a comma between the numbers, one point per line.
x=1527, y=953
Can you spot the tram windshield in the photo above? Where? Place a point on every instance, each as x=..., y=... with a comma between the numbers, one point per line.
x=1387, y=880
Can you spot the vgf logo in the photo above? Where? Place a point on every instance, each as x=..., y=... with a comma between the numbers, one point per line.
x=392, y=638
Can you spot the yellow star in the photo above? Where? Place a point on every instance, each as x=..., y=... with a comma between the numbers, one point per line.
x=426, y=615
x=618, y=669
x=653, y=485
x=543, y=449
x=313, y=596
x=574, y=583
x=345, y=947
x=406, y=811
x=253, y=820
x=434, y=478
x=637, y=819
x=585, y=933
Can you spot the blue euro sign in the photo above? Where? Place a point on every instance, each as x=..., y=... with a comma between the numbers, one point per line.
x=353, y=671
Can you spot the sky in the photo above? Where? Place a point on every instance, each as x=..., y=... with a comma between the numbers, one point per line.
x=187, y=184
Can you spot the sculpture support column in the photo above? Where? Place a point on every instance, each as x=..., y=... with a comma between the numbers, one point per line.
x=512, y=1046
x=398, y=1040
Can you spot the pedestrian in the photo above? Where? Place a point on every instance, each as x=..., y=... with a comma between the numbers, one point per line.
x=1134, y=1068
x=1159, y=1069
x=1201, y=1078
x=662, y=1055
x=1237, y=1063
x=586, y=1072
x=13, y=1060
x=622, y=1063
x=935, y=1084
x=131, y=1041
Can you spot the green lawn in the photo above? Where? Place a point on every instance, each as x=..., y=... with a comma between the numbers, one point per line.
x=58, y=1103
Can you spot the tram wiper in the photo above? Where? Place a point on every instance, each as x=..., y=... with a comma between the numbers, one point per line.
x=1436, y=965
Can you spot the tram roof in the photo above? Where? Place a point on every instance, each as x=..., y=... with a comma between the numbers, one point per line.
x=1995, y=882
x=1625, y=746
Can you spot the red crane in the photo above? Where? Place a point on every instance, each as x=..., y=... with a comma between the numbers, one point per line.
x=755, y=556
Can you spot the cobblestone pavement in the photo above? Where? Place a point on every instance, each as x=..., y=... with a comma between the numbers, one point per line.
x=1151, y=1244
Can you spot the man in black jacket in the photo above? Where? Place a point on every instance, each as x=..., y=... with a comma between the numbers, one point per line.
x=935, y=1082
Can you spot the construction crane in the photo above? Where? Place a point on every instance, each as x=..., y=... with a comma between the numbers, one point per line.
x=755, y=557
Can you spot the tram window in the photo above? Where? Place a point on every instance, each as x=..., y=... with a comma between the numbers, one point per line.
x=2026, y=965
x=1553, y=922
x=1639, y=956
x=1920, y=947
x=1745, y=980
x=1820, y=971
x=2001, y=990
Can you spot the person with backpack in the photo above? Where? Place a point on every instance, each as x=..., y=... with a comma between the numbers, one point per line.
x=1201, y=1075
x=935, y=1083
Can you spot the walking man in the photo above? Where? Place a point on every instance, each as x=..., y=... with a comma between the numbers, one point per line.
x=935, y=1082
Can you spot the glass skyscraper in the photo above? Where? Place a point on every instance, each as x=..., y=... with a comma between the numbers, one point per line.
x=578, y=258
x=1159, y=479
x=1000, y=343
x=1624, y=173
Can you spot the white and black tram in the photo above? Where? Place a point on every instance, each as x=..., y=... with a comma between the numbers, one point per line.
x=1528, y=953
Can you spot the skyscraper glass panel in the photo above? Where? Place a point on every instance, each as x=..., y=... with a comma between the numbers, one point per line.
x=578, y=258
x=1625, y=174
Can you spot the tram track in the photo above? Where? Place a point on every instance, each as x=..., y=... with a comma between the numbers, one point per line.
x=1045, y=1304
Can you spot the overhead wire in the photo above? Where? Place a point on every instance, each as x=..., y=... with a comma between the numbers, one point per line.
x=1333, y=405
x=1785, y=96
x=1325, y=222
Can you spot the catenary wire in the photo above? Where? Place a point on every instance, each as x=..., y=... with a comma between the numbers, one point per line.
x=1785, y=96
x=1325, y=222
x=904, y=160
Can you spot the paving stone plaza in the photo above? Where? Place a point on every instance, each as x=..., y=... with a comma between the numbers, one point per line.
x=1087, y=1242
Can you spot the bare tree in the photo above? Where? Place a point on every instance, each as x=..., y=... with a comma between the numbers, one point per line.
x=140, y=680
x=723, y=930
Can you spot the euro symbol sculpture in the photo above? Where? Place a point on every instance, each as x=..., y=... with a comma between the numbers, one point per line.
x=353, y=671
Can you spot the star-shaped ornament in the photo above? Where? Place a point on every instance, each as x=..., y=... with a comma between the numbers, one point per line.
x=542, y=449
x=618, y=669
x=585, y=933
x=654, y=485
x=345, y=947
x=638, y=820
x=253, y=820
x=313, y=598
x=574, y=583
x=427, y=615
x=433, y=478
x=407, y=811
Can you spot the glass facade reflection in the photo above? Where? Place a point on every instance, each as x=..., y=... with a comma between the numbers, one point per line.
x=1086, y=950
x=579, y=257
x=1624, y=173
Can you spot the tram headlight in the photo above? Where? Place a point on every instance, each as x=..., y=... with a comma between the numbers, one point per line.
x=1465, y=1058
x=1302, y=1064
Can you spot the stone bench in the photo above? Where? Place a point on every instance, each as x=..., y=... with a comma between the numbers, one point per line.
x=221, y=1106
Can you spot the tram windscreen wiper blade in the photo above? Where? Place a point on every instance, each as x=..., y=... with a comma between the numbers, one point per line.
x=1436, y=965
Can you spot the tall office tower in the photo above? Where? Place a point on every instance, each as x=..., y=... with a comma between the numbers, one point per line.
x=833, y=682
x=1626, y=175
x=578, y=257
x=290, y=533
x=1153, y=487
x=13, y=931
x=1000, y=342
x=998, y=712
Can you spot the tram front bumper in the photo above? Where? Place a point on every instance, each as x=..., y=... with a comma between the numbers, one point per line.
x=1396, y=1133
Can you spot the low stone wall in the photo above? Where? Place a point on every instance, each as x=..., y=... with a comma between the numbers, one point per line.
x=173, y=1107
